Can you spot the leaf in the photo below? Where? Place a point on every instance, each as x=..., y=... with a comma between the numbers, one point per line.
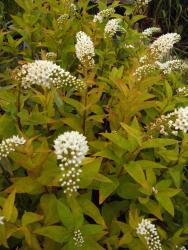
x=166, y=203
x=157, y=143
x=56, y=233
x=137, y=173
x=106, y=189
x=145, y=164
x=170, y=192
x=74, y=103
x=8, y=207
x=90, y=229
x=127, y=189
x=91, y=210
x=109, y=154
x=26, y=185
x=118, y=140
x=48, y=203
x=29, y=218
x=65, y=215
x=133, y=133
x=89, y=171
x=102, y=178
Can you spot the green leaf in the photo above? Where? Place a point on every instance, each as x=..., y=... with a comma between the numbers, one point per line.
x=166, y=203
x=48, y=203
x=8, y=207
x=89, y=171
x=29, y=218
x=76, y=211
x=56, y=233
x=90, y=229
x=127, y=189
x=118, y=140
x=65, y=215
x=137, y=173
x=106, y=189
x=170, y=192
x=133, y=133
x=109, y=154
x=26, y=184
x=158, y=142
x=91, y=210
x=145, y=164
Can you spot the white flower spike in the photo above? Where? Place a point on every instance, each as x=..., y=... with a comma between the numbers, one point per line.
x=70, y=149
x=150, y=234
x=85, y=49
x=10, y=144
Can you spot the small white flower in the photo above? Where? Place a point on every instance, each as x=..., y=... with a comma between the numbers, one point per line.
x=181, y=248
x=149, y=232
x=1, y=220
x=143, y=59
x=72, y=9
x=85, y=49
x=162, y=46
x=183, y=91
x=112, y=27
x=172, y=65
x=173, y=122
x=144, y=70
x=129, y=46
x=154, y=190
x=10, y=144
x=70, y=149
x=62, y=19
x=103, y=14
x=78, y=238
x=47, y=74
x=142, y=3
x=150, y=31
x=181, y=119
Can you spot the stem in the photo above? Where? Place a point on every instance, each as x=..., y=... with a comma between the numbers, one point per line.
x=85, y=112
x=19, y=107
x=84, y=101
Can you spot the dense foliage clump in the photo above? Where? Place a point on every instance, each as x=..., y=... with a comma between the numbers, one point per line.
x=93, y=130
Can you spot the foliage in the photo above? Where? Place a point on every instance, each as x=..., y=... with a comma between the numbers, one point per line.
x=129, y=173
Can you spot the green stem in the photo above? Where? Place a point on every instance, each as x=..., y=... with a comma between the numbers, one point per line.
x=19, y=108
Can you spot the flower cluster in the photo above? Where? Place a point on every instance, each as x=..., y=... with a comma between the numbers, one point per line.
x=150, y=234
x=47, y=74
x=183, y=248
x=112, y=27
x=144, y=70
x=150, y=31
x=72, y=9
x=182, y=91
x=62, y=19
x=70, y=149
x=172, y=122
x=142, y=3
x=10, y=144
x=78, y=238
x=172, y=65
x=143, y=59
x=103, y=14
x=51, y=56
x=85, y=49
x=162, y=46
x=129, y=46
